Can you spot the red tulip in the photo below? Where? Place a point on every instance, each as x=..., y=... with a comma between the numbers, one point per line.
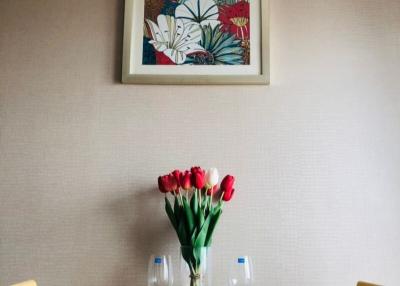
x=227, y=187
x=228, y=195
x=177, y=174
x=167, y=183
x=227, y=182
x=198, y=177
x=212, y=191
x=195, y=169
x=185, y=180
x=161, y=185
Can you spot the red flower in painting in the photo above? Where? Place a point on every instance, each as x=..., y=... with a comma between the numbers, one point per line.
x=235, y=19
x=162, y=59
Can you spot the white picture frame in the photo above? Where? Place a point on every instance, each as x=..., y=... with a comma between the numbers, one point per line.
x=134, y=72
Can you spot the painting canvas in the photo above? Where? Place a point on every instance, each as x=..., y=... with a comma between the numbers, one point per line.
x=196, y=32
x=196, y=42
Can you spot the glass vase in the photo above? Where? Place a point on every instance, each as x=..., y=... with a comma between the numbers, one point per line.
x=196, y=266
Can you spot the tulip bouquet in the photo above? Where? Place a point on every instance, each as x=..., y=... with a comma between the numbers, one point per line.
x=197, y=207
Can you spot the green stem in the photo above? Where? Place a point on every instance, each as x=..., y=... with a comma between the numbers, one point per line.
x=222, y=195
x=194, y=278
x=180, y=195
x=200, y=197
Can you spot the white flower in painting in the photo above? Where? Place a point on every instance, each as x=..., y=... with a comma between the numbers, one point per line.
x=175, y=39
x=202, y=12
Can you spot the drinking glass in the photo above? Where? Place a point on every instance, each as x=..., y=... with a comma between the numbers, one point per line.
x=241, y=272
x=160, y=271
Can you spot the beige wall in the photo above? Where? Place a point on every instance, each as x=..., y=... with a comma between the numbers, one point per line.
x=316, y=154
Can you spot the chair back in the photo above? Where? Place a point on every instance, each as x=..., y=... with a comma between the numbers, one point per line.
x=26, y=283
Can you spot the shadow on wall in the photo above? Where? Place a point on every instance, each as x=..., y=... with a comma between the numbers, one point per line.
x=119, y=31
x=144, y=232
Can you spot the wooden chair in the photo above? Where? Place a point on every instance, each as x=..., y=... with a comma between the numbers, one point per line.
x=361, y=283
x=26, y=283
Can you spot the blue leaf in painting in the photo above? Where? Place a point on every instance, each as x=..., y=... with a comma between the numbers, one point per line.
x=149, y=54
x=169, y=7
x=220, y=49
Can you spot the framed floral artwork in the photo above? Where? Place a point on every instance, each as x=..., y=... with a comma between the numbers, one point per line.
x=196, y=42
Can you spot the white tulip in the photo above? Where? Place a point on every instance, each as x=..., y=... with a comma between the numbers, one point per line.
x=212, y=177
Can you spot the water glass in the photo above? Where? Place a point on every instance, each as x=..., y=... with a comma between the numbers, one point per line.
x=160, y=271
x=241, y=272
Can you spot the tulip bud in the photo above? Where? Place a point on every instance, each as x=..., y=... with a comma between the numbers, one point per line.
x=185, y=181
x=167, y=183
x=198, y=177
x=212, y=177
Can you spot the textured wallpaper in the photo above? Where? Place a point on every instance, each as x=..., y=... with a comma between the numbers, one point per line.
x=316, y=154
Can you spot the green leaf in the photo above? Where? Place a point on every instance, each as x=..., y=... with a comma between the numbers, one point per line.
x=194, y=204
x=201, y=237
x=200, y=219
x=187, y=254
x=204, y=202
x=197, y=256
x=182, y=233
x=189, y=218
x=170, y=213
x=194, y=236
x=177, y=210
x=215, y=215
x=218, y=206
